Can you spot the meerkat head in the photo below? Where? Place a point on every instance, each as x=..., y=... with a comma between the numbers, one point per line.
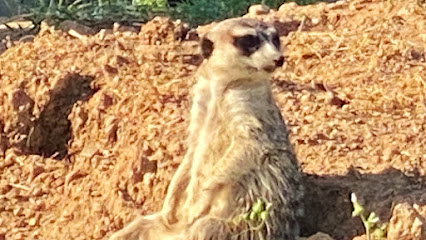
x=242, y=48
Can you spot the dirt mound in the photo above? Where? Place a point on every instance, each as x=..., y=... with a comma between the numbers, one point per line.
x=92, y=127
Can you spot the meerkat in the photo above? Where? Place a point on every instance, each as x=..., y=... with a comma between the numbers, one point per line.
x=238, y=147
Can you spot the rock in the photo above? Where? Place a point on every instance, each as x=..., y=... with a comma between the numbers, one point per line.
x=258, y=9
x=406, y=223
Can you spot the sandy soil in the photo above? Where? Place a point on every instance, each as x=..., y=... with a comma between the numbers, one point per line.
x=92, y=127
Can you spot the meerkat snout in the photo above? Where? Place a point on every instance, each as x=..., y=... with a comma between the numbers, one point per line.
x=279, y=62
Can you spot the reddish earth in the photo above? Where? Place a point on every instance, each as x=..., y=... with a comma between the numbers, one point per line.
x=92, y=127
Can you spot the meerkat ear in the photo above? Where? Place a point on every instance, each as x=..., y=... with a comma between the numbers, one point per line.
x=206, y=47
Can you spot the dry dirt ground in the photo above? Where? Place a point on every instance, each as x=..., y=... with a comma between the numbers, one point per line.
x=92, y=128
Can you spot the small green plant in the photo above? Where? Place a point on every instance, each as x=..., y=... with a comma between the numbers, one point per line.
x=374, y=230
x=256, y=216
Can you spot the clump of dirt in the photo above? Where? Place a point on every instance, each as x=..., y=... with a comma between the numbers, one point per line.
x=92, y=127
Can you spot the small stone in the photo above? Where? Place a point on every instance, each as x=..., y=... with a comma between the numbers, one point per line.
x=259, y=9
x=405, y=223
x=36, y=170
x=18, y=211
x=387, y=154
x=33, y=221
x=315, y=21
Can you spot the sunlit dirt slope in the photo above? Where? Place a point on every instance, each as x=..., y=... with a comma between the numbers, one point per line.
x=92, y=128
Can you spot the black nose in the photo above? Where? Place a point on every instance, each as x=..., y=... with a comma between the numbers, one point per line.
x=279, y=62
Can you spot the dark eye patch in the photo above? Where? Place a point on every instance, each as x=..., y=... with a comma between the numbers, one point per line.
x=206, y=47
x=276, y=40
x=248, y=44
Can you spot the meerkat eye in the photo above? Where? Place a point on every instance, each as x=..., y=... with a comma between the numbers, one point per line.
x=276, y=40
x=247, y=44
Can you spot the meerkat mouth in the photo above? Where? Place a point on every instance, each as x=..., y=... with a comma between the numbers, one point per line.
x=269, y=69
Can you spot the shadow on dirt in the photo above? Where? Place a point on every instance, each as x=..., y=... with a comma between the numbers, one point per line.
x=52, y=128
x=48, y=135
x=328, y=205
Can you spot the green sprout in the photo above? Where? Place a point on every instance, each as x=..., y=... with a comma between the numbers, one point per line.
x=374, y=230
x=257, y=214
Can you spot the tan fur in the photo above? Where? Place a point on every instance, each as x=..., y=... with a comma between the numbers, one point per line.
x=238, y=152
